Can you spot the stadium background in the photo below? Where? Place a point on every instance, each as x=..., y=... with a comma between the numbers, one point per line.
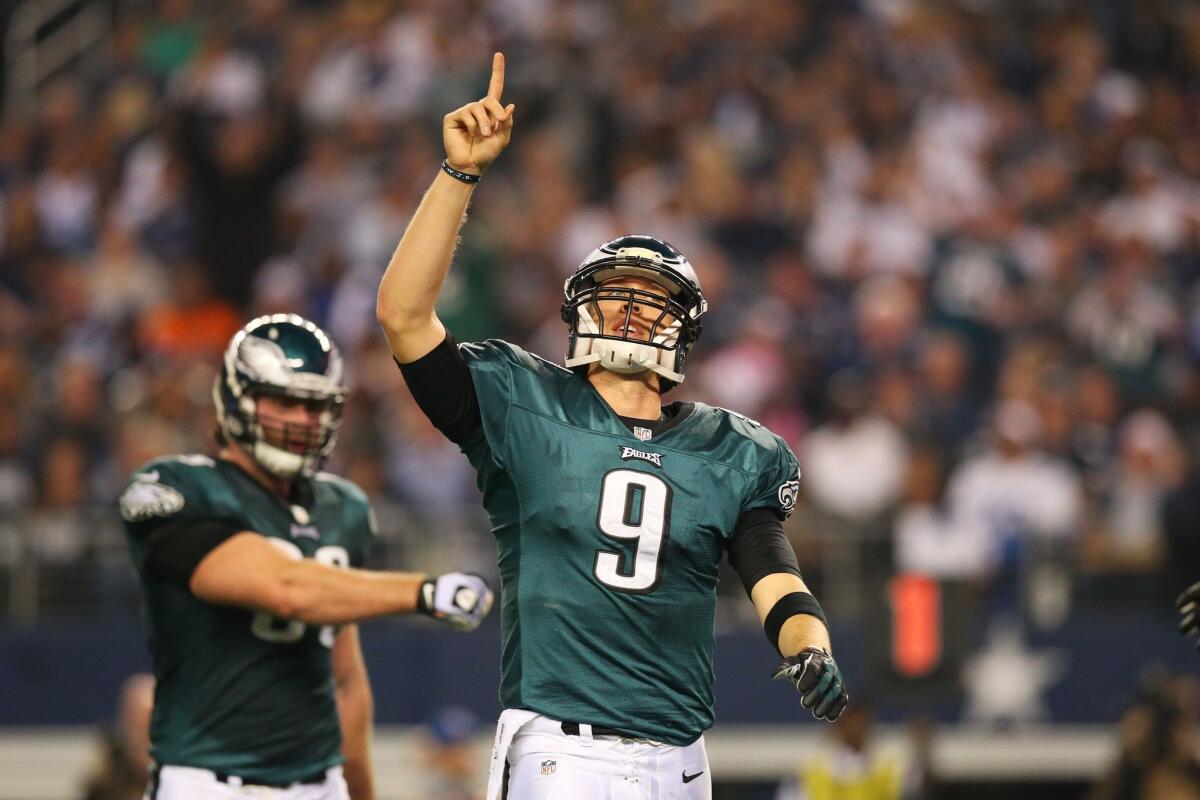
x=952, y=252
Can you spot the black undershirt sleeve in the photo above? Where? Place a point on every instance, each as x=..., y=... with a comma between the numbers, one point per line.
x=759, y=547
x=440, y=382
x=173, y=551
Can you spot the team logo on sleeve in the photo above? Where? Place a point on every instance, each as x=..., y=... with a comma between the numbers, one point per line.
x=788, y=493
x=145, y=498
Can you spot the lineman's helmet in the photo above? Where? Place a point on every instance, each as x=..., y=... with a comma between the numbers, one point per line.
x=287, y=356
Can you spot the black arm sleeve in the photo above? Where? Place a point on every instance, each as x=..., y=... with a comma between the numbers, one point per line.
x=441, y=384
x=759, y=547
x=175, y=550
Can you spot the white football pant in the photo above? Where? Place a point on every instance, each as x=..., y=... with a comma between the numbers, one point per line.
x=190, y=783
x=543, y=763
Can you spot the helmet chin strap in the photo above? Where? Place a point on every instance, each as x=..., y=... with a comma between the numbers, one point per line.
x=624, y=357
x=278, y=462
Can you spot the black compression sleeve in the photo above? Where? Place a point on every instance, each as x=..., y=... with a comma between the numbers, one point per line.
x=175, y=550
x=441, y=384
x=759, y=547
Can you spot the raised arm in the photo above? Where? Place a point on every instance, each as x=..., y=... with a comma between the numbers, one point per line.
x=473, y=135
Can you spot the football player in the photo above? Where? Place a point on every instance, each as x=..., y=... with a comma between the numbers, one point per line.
x=250, y=565
x=611, y=510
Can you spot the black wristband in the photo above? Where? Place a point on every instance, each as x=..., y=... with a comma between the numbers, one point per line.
x=458, y=175
x=787, y=607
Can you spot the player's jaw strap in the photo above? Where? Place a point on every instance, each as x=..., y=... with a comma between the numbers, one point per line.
x=786, y=607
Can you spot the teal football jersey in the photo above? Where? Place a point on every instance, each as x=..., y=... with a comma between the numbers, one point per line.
x=241, y=692
x=609, y=546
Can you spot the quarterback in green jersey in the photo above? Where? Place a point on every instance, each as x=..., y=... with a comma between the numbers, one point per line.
x=611, y=510
x=251, y=571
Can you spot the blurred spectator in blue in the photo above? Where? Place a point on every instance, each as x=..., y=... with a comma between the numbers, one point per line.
x=449, y=758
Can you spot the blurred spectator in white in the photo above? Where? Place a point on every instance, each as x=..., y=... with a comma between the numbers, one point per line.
x=853, y=465
x=1156, y=209
x=1127, y=535
x=377, y=66
x=68, y=197
x=221, y=80
x=928, y=540
x=1012, y=490
x=875, y=234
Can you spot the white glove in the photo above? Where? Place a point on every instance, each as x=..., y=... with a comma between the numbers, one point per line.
x=459, y=599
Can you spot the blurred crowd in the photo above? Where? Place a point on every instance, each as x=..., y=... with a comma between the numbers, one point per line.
x=951, y=251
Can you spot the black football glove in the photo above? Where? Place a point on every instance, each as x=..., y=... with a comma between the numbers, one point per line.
x=818, y=680
x=1189, y=611
x=459, y=599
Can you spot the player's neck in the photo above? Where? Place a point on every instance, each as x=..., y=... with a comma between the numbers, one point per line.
x=633, y=396
x=277, y=485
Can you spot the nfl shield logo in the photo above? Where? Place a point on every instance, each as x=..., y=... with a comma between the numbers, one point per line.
x=548, y=767
x=641, y=433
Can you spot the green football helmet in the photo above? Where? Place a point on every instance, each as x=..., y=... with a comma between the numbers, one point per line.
x=283, y=355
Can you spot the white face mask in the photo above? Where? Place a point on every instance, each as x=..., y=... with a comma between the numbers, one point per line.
x=625, y=357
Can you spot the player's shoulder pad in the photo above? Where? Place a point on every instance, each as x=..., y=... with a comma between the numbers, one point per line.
x=343, y=486
x=500, y=351
x=766, y=454
x=752, y=431
x=161, y=487
x=353, y=494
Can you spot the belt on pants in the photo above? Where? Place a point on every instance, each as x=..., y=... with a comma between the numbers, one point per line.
x=572, y=729
x=235, y=780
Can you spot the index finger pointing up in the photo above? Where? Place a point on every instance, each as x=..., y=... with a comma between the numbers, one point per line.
x=496, y=86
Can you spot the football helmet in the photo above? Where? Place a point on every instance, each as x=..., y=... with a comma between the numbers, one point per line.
x=664, y=348
x=283, y=355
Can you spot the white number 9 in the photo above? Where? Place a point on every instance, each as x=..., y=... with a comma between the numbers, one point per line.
x=633, y=506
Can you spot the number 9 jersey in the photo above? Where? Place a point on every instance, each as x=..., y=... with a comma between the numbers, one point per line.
x=609, y=545
x=239, y=691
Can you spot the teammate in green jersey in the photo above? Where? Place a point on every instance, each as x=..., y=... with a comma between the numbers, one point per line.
x=611, y=511
x=250, y=565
